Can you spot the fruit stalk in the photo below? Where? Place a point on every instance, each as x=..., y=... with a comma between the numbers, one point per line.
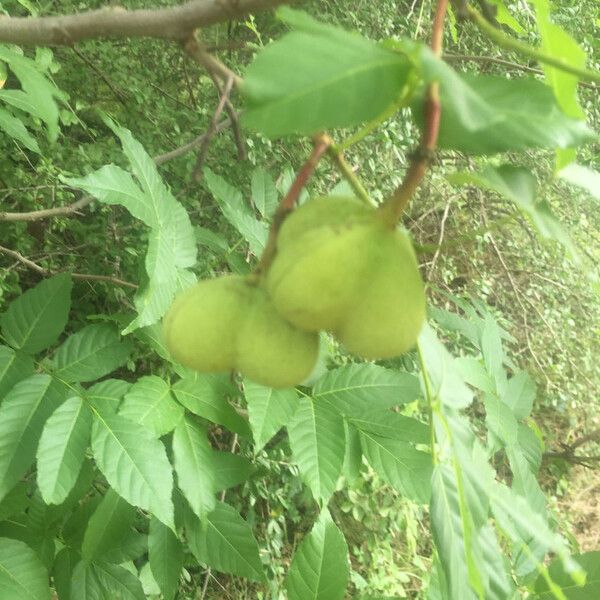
x=321, y=143
x=394, y=206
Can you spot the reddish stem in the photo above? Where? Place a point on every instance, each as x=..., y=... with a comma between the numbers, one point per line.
x=286, y=206
x=395, y=205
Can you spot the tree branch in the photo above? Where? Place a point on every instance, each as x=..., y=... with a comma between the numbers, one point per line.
x=84, y=276
x=175, y=23
x=73, y=209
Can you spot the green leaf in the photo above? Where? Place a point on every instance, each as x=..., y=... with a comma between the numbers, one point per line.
x=528, y=528
x=34, y=320
x=230, y=470
x=519, y=394
x=61, y=450
x=40, y=91
x=107, y=528
x=224, y=541
x=500, y=419
x=22, y=416
x=149, y=402
x=590, y=562
x=404, y=468
x=290, y=87
x=452, y=534
x=194, y=466
x=486, y=114
x=62, y=572
x=14, y=367
x=354, y=389
x=268, y=410
x=505, y=17
x=519, y=185
x=493, y=353
x=317, y=440
x=237, y=211
x=15, y=129
x=16, y=501
x=165, y=553
x=91, y=353
x=444, y=375
x=353, y=454
x=264, y=192
x=172, y=245
x=134, y=463
x=473, y=372
x=205, y=397
x=556, y=42
x=388, y=424
x=319, y=569
x=106, y=395
x=104, y=581
x=531, y=447
x=115, y=186
x=22, y=575
x=583, y=177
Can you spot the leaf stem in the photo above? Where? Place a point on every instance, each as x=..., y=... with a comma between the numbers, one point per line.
x=509, y=43
x=335, y=152
x=430, y=405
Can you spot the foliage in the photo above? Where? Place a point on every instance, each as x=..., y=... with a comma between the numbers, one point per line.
x=121, y=471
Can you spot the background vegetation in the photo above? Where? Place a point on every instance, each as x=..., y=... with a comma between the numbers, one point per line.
x=545, y=305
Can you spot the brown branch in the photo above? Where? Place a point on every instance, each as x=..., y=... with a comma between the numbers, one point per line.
x=395, y=205
x=197, y=173
x=321, y=143
x=176, y=23
x=238, y=136
x=46, y=213
x=212, y=64
x=167, y=156
x=46, y=272
x=74, y=209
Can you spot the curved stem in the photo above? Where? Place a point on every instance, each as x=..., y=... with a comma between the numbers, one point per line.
x=336, y=155
x=395, y=205
x=505, y=41
x=322, y=142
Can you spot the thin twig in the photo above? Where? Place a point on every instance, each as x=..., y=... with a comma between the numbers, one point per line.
x=210, y=132
x=119, y=94
x=441, y=238
x=210, y=62
x=83, y=276
x=517, y=294
x=321, y=143
x=505, y=63
x=167, y=156
x=238, y=136
x=505, y=41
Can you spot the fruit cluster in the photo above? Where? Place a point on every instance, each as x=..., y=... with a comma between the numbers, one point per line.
x=339, y=267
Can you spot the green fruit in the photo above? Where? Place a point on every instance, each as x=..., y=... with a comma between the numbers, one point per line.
x=230, y=324
x=341, y=268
